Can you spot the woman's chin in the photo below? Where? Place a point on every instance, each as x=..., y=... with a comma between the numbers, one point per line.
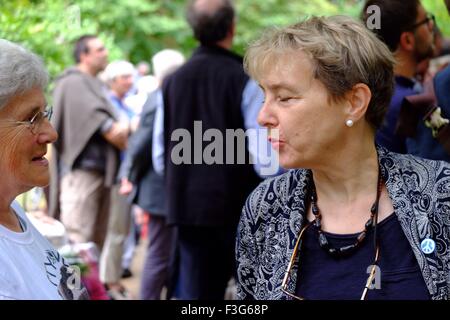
x=40, y=181
x=288, y=163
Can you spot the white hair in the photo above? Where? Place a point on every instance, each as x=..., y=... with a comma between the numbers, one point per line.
x=118, y=68
x=147, y=84
x=165, y=62
x=20, y=71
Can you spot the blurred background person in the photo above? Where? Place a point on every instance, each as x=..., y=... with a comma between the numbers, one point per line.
x=147, y=187
x=86, y=157
x=143, y=68
x=119, y=76
x=432, y=142
x=144, y=86
x=424, y=70
x=203, y=201
x=407, y=29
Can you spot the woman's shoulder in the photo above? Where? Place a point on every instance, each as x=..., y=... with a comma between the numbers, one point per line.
x=408, y=164
x=424, y=180
x=410, y=159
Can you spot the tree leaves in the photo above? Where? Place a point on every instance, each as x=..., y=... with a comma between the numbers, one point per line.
x=137, y=29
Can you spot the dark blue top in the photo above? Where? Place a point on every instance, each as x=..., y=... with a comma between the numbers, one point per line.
x=322, y=277
x=386, y=135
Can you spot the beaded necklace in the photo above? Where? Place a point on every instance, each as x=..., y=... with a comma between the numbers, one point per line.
x=346, y=250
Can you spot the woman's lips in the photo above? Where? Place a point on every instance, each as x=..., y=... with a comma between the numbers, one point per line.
x=276, y=144
x=41, y=161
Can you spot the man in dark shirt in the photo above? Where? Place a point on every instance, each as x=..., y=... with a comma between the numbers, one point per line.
x=407, y=30
x=205, y=200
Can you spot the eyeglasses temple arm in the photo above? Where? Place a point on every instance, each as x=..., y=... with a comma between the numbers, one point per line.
x=291, y=262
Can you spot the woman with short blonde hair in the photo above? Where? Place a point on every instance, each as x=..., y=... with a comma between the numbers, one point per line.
x=350, y=220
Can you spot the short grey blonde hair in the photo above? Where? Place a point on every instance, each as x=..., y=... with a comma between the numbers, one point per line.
x=20, y=71
x=343, y=53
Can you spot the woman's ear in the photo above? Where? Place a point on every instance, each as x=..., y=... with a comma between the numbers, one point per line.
x=358, y=97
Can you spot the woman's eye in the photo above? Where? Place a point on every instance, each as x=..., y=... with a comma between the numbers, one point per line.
x=32, y=118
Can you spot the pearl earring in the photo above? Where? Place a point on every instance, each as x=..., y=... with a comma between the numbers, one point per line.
x=349, y=123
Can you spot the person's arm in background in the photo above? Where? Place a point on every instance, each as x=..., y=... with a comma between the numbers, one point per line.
x=115, y=133
x=158, y=137
x=264, y=157
x=139, y=148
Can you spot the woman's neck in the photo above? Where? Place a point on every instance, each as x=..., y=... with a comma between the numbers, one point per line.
x=7, y=216
x=9, y=220
x=346, y=189
x=348, y=175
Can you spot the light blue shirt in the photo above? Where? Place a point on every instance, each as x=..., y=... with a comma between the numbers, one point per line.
x=265, y=159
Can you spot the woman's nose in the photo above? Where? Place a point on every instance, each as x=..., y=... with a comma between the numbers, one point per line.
x=266, y=116
x=47, y=133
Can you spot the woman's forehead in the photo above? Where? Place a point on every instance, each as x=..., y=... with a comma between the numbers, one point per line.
x=285, y=68
x=25, y=102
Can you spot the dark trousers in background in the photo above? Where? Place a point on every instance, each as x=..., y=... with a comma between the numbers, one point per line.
x=155, y=273
x=206, y=261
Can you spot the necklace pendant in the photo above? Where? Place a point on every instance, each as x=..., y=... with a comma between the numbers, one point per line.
x=317, y=223
x=374, y=208
x=323, y=242
x=315, y=210
x=369, y=223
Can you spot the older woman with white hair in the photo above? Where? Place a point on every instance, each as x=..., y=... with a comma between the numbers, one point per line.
x=30, y=268
x=350, y=220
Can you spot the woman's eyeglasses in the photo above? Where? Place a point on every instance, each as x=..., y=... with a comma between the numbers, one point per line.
x=298, y=244
x=35, y=122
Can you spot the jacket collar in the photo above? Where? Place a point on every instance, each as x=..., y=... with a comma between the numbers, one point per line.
x=216, y=50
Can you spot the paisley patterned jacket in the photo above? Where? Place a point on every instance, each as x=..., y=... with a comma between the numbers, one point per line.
x=274, y=214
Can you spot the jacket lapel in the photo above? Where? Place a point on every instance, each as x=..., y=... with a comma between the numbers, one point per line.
x=408, y=216
x=296, y=209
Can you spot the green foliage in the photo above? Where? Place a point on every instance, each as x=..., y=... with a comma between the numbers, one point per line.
x=136, y=29
x=255, y=16
x=132, y=30
x=437, y=7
